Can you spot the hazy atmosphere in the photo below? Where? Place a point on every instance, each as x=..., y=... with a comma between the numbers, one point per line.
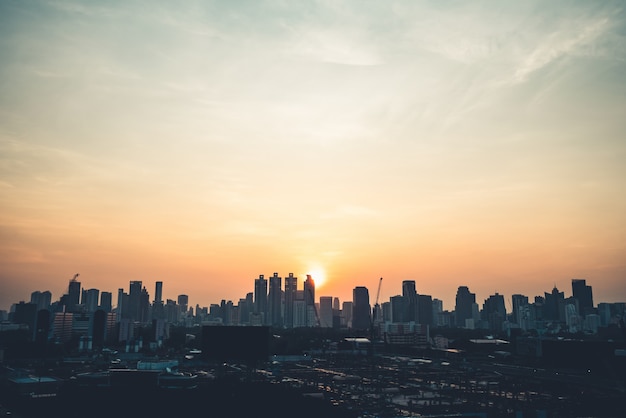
x=204, y=143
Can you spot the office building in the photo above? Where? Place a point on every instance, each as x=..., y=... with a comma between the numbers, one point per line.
x=584, y=295
x=326, y=311
x=260, y=298
x=411, y=301
x=361, y=309
x=291, y=286
x=465, y=301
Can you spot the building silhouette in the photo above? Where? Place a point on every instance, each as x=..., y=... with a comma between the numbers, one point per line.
x=291, y=287
x=361, y=309
x=326, y=311
x=465, y=301
x=260, y=298
x=309, y=301
x=584, y=295
x=275, y=301
x=73, y=295
x=411, y=301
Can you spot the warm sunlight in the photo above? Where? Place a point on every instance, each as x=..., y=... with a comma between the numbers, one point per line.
x=319, y=276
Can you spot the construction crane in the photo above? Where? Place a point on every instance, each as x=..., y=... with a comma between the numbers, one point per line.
x=75, y=277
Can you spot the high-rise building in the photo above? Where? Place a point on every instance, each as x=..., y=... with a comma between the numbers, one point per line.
x=584, y=294
x=326, y=311
x=275, y=301
x=26, y=314
x=309, y=301
x=260, y=298
x=144, y=306
x=106, y=301
x=398, y=309
x=299, y=314
x=464, y=304
x=123, y=309
x=518, y=301
x=291, y=286
x=554, y=306
x=183, y=306
x=158, y=292
x=41, y=299
x=134, y=300
x=425, y=309
x=411, y=301
x=73, y=295
x=438, y=317
x=346, y=314
x=90, y=299
x=494, y=312
x=361, y=308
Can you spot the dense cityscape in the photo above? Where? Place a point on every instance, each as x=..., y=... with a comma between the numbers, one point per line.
x=403, y=357
x=287, y=307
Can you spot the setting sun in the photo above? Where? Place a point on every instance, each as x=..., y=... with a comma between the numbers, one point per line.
x=319, y=276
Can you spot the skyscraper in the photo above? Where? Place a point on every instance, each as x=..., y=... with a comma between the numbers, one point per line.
x=291, y=286
x=275, y=301
x=398, y=309
x=583, y=293
x=41, y=299
x=425, y=309
x=183, y=303
x=73, y=294
x=326, y=311
x=309, y=301
x=90, y=299
x=554, y=305
x=411, y=301
x=361, y=308
x=106, y=301
x=134, y=300
x=494, y=312
x=260, y=297
x=158, y=292
x=518, y=302
x=464, y=303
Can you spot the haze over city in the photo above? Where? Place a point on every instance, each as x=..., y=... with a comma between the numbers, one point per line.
x=206, y=143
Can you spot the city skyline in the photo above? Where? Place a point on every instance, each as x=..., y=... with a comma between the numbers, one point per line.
x=76, y=293
x=203, y=144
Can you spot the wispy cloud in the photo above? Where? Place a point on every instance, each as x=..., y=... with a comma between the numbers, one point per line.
x=561, y=43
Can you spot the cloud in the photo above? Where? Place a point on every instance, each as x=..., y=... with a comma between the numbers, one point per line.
x=558, y=44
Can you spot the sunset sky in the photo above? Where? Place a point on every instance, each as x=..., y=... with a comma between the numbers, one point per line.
x=204, y=143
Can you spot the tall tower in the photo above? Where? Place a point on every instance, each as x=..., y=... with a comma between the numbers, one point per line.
x=291, y=286
x=361, y=308
x=309, y=301
x=326, y=311
x=425, y=309
x=183, y=303
x=158, y=292
x=275, y=301
x=134, y=300
x=464, y=304
x=260, y=297
x=583, y=293
x=90, y=299
x=410, y=301
x=73, y=294
x=106, y=301
x=518, y=301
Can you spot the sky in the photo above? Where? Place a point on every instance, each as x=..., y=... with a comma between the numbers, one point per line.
x=205, y=143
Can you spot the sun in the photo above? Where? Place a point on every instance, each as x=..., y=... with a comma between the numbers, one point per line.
x=319, y=276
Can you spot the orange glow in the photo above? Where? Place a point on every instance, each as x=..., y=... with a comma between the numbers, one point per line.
x=319, y=276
